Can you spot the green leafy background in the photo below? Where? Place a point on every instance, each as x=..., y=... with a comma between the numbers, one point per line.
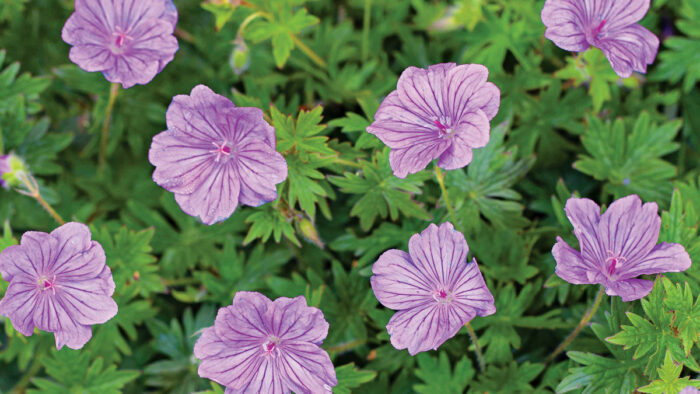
x=319, y=69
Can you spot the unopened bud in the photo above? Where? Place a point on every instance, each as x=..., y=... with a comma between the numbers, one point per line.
x=11, y=166
x=308, y=230
x=240, y=57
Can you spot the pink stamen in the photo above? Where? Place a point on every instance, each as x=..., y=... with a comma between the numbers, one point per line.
x=441, y=126
x=442, y=296
x=614, y=259
x=47, y=284
x=221, y=150
x=270, y=345
x=599, y=28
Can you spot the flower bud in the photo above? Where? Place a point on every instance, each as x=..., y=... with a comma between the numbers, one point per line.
x=10, y=168
x=240, y=57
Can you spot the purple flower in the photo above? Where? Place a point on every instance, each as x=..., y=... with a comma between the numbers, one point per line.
x=616, y=247
x=214, y=156
x=262, y=346
x=610, y=25
x=4, y=168
x=59, y=283
x=689, y=390
x=129, y=41
x=439, y=113
x=433, y=288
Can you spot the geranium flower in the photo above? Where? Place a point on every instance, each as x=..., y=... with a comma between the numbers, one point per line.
x=439, y=113
x=262, y=346
x=611, y=25
x=59, y=283
x=215, y=156
x=616, y=247
x=129, y=41
x=433, y=288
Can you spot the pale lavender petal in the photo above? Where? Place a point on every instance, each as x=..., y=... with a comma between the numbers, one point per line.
x=215, y=198
x=463, y=86
x=398, y=284
x=664, y=257
x=630, y=289
x=89, y=302
x=292, y=320
x=421, y=90
x=306, y=368
x=570, y=265
x=630, y=49
x=260, y=168
x=398, y=126
x=14, y=262
x=439, y=252
x=471, y=132
x=566, y=21
x=74, y=336
x=622, y=13
x=584, y=215
x=40, y=249
x=19, y=304
x=629, y=230
x=470, y=291
x=425, y=328
x=180, y=164
x=267, y=379
x=4, y=168
x=245, y=319
x=689, y=390
x=232, y=366
x=417, y=157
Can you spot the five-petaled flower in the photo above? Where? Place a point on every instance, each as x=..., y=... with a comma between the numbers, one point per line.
x=616, y=247
x=59, y=282
x=215, y=155
x=433, y=288
x=262, y=346
x=439, y=113
x=611, y=25
x=129, y=41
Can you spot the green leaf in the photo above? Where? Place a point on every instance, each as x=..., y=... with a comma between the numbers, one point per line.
x=630, y=161
x=510, y=378
x=382, y=194
x=282, y=45
x=72, y=372
x=599, y=374
x=439, y=377
x=267, y=222
x=669, y=379
x=349, y=377
x=485, y=187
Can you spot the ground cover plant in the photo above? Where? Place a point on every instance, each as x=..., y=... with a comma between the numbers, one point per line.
x=369, y=196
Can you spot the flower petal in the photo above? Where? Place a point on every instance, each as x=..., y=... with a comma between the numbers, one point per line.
x=200, y=115
x=15, y=263
x=75, y=337
x=584, y=215
x=292, y=320
x=90, y=301
x=306, y=368
x=439, y=253
x=260, y=168
x=630, y=289
x=422, y=90
x=630, y=49
x=19, y=303
x=571, y=266
x=398, y=284
x=215, y=199
x=398, y=126
x=417, y=157
x=623, y=13
x=180, y=162
x=629, y=230
x=425, y=328
x=665, y=257
x=244, y=319
x=463, y=90
x=232, y=366
x=470, y=291
x=566, y=22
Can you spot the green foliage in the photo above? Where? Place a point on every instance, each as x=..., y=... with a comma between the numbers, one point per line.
x=630, y=161
x=669, y=379
x=73, y=372
x=437, y=375
x=669, y=327
x=381, y=192
x=350, y=377
x=682, y=59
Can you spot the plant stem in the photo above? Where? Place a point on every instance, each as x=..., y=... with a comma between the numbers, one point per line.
x=347, y=163
x=113, y=92
x=309, y=52
x=365, y=29
x=584, y=321
x=33, y=187
x=34, y=368
x=445, y=197
x=477, y=348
